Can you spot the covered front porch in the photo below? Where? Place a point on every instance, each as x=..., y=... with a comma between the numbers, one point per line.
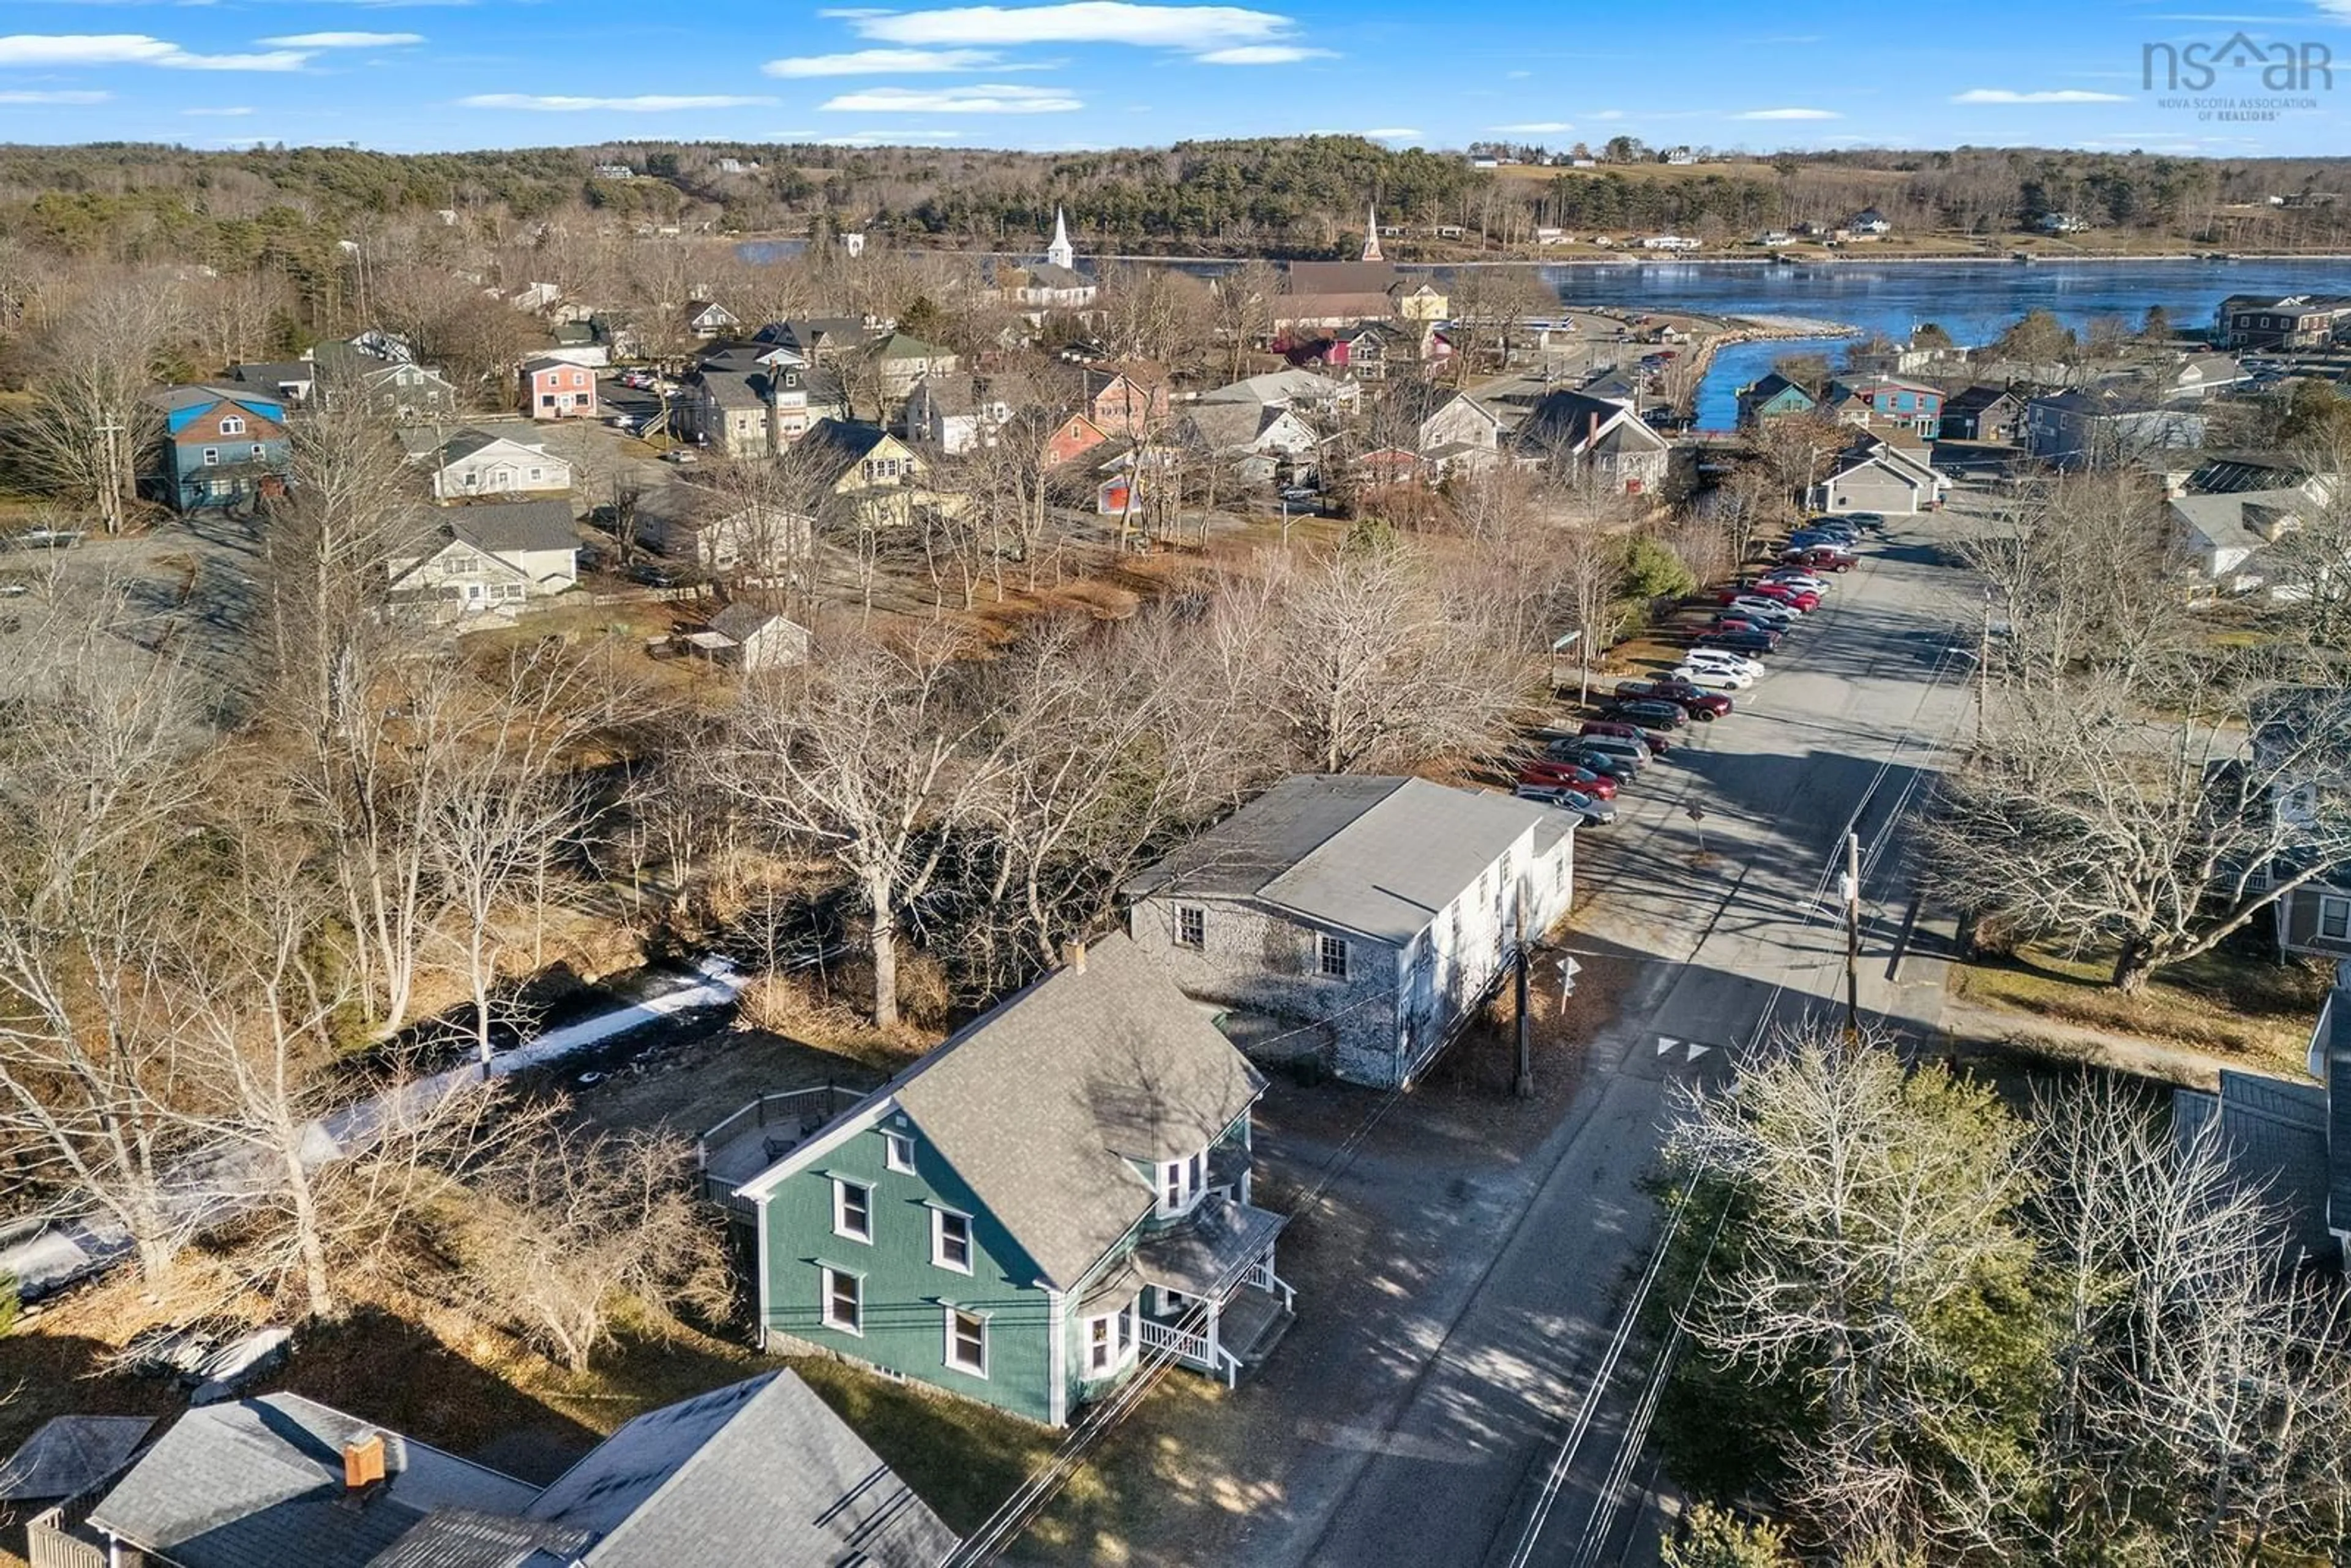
x=1213, y=1301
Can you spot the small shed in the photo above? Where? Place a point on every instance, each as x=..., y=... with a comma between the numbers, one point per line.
x=753, y=638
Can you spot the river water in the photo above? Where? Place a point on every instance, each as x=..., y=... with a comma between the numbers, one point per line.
x=1970, y=301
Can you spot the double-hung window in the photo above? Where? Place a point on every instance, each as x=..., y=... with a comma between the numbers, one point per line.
x=853, y=1210
x=1181, y=1183
x=1110, y=1342
x=966, y=1342
x=2335, y=918
x=212, y=455
x=1330, y=955
x=844, y=1301
x=951, y=1240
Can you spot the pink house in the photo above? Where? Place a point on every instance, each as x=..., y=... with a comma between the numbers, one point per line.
x=552, y=389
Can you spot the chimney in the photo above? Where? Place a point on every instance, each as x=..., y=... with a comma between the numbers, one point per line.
x=363, y=1462
x=1073, y=956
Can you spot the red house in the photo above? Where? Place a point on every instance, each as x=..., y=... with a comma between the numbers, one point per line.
x=1072, y=439
x=1126, y=398
x=555, y=389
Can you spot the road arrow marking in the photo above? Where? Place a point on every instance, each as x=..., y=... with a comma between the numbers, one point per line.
x=1665, y=1043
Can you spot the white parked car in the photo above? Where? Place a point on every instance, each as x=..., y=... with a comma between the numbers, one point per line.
x=1715, y=676
x=1755, y=607
x=1724, y=659
x=1804, y=579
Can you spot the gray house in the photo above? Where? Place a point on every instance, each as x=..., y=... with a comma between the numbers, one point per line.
x=759, y=1474
x=1597, y=435
x=2099, y=427
x=2295, y=752
x=1359, y=919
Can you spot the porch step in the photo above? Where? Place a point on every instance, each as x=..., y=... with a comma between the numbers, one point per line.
x=1253, y=1323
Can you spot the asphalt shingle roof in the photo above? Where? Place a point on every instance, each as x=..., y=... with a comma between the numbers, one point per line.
x=1039, y=1106
x=760, y=1473
x=69, y=1454
x=509, y=526
x=1378, y=856
x=258, y=1483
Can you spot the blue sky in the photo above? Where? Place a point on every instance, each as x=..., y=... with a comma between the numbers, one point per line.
x=418, y=75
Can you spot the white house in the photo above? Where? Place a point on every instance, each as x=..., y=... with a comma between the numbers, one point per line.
x=700, y=527
x=1366, y=917
x=470, y=558
x=476, y=462
x=1300, y=390
x=2227, y=533
x=1877, y=477
x=954, y=413
x=1254, y=439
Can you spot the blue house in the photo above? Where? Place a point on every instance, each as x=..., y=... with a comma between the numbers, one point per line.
x=222, y=446
x=1056, y=1194
x=1769, y=398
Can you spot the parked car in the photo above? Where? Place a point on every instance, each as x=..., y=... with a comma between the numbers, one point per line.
x=1825, y=538
x=1714, y=677
x=1796, y=577
x=1685, y=694
x=1594, y=812
x=1764, y=607
x=1802, y=599
x=679, y=454
x=1750, y=642
x=653, y=576
x=1650, y=713
x=1741, y=620
x=1723, y=659
x=1616, y=729
x=1551, y=774
x=638, y=380
x=43, y=538
x=1819, y=558
x=1621, y=765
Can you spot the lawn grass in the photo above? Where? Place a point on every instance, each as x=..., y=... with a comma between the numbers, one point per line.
x=2231, y=1004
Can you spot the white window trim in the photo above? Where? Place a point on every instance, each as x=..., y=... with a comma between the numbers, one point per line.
x=898, y=1152
x=840, y=1186
x=939, y=1260
x=232, y=426
x=1197, y=916
x=2331, y=903
x=1189, y=1178
x=826, y=1276
x=949, y=1312
x=1123, y=1341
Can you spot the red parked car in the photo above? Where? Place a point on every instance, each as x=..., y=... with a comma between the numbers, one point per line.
x=1694, y=700
x=1548, y=773
x=1802, y=599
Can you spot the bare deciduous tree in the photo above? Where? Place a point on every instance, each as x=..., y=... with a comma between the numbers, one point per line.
x=875, y=754
x=582, y=1220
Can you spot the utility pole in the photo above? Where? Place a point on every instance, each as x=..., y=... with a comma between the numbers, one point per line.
x=1983, y=668
x=1853, y=935
x=1526, y=1084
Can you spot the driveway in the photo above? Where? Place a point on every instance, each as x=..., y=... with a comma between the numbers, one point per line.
x=1468, y=1261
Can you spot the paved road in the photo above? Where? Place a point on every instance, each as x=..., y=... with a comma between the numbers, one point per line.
x=1837, y=734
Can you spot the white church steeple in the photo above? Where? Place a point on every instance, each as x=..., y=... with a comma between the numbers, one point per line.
x=1371, y=233
x=1060, y=252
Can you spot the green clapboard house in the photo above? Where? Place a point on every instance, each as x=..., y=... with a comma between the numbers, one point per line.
x=1055, y=1196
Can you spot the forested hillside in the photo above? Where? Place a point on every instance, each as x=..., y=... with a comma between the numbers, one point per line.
x=287, y=207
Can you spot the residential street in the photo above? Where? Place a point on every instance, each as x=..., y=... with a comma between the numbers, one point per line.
x=1417, y=1420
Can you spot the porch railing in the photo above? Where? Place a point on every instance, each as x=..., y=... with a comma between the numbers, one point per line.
x=1262, y=1276
x=1193, y=1349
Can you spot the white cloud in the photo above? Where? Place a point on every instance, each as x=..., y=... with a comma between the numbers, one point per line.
x=990, y=100
x=232, y=112
x=880, y=62
x=1193, y=28
x=1534, y=127
x=1263, y=55
x=648, y=103
x=132, y=50
x=1403, y=134
x=346, y=40
x=61, y=99
x=2058, y=95
x=1789, y=114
